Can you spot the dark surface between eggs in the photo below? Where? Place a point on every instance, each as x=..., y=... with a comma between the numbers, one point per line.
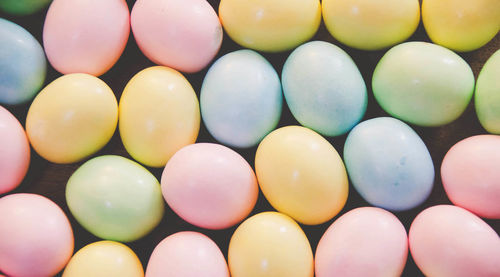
x=50, y=179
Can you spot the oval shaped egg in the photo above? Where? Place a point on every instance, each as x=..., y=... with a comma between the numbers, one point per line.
x=241, y=99
x=36, y=238
x=487, y=96
x=423, y=83
x=270, y=244
x=159, y=114
x=115, y=198
x=72, y=118
x=447, y=240
x=324, y=88
x=85, y=36
x=301, y=175
x=23, y=7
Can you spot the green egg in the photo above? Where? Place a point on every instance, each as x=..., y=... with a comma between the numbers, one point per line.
x=23, y=7
x=487, y=98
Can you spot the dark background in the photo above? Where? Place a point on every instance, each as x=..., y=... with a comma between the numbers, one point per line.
x=50, y=179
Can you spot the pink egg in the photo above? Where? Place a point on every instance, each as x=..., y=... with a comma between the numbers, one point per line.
x=209, y=185
x=446, y=240
x=471, y=175
x=85, y=36
x=14, y=152
x=35, y=236
x=187, y=254
x=363, y=242
x=181, y=34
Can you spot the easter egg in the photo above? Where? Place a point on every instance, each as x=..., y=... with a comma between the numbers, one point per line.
x=270, y=25
x=461, y=25
x=423, y=83
x=363, y=242
x=301, y=175
x=447, y=240
x=182, y=34
x=103, y=259
x=22, y=62
x=487, y=96
x=159, y=114
x=241, y=99
x=189, y=254
x=389, y=164
x=115, y=198
x=85, y=36
x=72, y=118
x=371, y=25
x=324, y=88
x=36, y=238
x=23, y=7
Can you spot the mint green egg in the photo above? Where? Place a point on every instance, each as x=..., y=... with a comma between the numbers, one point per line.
x=487, y=98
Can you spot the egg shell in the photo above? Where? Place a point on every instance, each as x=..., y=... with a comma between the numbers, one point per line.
x=324, y=88
x=241, y=99
x=23, y=7
x=36, y=238
x=487, y=96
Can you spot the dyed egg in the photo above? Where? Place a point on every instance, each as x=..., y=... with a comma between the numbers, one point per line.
x=324, y=88
x=270, y=25
x=115, y=198
x=72, y=118
x=423, y=83
x=270, y=244
x=187, y=254
x=447, y=240
x=241, y=99
x=209, y=185
x=363, y=242
x=35, y=236
x=22, y=7
x=371, y=25
x=182, y=34
x=103, y=259
x=159, y=114
x=389, y=164
x=14, y=152
x=487, y=96
x=461, y=25
x=85, y=36
x=22, y=64
x=301, y=175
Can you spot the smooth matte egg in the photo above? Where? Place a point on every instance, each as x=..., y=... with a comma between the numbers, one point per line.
x=487, y=95
x=23, y=7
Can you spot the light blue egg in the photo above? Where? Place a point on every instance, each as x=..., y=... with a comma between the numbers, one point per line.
x=22, y=64
x=241, y=99
x=388, y=164
x=324, y=88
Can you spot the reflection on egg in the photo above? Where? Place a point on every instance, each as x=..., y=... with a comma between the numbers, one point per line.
x=487, y=96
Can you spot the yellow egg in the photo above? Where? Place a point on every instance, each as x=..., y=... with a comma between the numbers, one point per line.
x=369, y=24
x=461, y=25
x=104, y=259
x=270, y=244
x=159, y=114
x=72, y=118
x=301, y=174
x=270, y=25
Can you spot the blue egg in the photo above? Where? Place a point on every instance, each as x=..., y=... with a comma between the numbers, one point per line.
x=324, y=88
x=241, y=99
x=388, y=164
x=22, y=64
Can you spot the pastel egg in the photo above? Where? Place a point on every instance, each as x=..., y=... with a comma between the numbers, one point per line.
x=324, y=88
x=36, y=238
x=85, y=36
x=241, y=99
x=182, y=34
x=22, y=62
x=115, y=198
x=72, y=118
x=447, y=240
x=371, y=25
x=301, y=175
x=270, y=26
x=363, y=242
x=423, y=83
x=187, y=254
x=23, y=7
x=209, y=185
x=487, y=96
x=389, y=164
x=159, y=114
